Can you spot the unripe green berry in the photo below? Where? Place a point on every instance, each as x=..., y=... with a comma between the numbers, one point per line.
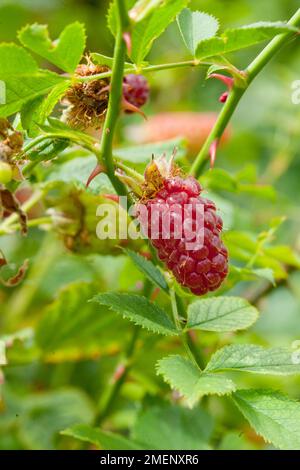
x=6, y=172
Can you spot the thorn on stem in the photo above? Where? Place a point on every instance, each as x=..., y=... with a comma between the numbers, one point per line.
x=119, y=372
x=96, y=171
x=223, y=97
x=213, y=152
x=111, y=197
x=154, y=294
x=126, y=106
x=229, y=82
x=127, y=39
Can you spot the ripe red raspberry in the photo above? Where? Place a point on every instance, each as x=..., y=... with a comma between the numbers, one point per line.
x=198, y=264
x=135, y=90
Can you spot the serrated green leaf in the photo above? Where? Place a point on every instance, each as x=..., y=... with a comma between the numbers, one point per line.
x=22, y=88
x=23, y=80
x=145, y=32
x=239, y=38
x=256, y=359
x=139, y=310
x=71, y=320
x=272, y=415
x=149, y=269
x=14, y=59
x=65, y=52
x=103, y=439
x=182, y=375
x=221, y=314
x=168, y=426
x=195, y=26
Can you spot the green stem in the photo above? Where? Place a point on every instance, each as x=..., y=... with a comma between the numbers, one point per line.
x=236, y=94
x=31, y=223
x=124, y=366
x=115, y=96
x=179, y=328
x=197, y=353
x=130, y=171
x=148, y=69
x=34, y=142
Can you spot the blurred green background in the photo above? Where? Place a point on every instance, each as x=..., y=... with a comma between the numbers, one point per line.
x=43, y=394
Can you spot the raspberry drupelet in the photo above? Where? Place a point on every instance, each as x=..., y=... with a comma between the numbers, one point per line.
x=187, y=241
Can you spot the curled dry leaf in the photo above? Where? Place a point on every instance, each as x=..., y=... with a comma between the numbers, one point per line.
x=18, y=277
x=10, y=205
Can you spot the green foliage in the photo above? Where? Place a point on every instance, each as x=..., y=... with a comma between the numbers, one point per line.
x=195, y=26
x=221, y=314
x=35, y=112
x=24, y=81
x=73, y=372
x=182, y=375
x=139, y=310
x=252, y=358
x=71, y=320
x=65, y=52
x=102, y=439
x=39, y=417
x=239, y=38
x=173, y=427
x=148, y=29
x=273, y=416
x=158, y=427
x=149, y=269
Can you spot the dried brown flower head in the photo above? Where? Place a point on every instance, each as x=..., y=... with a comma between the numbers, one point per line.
x=87, y=101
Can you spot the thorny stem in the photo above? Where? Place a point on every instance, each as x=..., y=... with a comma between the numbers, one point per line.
x=236, y=93
x=179, y=328
x=114, y=102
